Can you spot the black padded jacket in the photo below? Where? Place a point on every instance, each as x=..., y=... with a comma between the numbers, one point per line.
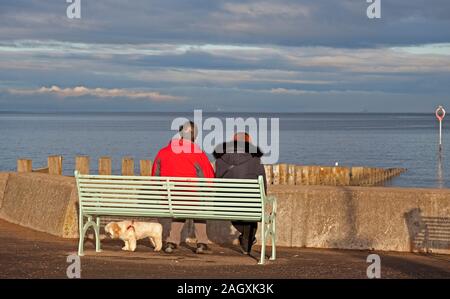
x=239, y=160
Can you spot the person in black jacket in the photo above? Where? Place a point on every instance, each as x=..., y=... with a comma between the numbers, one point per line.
x=240, y=159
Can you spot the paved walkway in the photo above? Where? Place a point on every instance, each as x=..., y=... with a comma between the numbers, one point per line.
x=25, y=253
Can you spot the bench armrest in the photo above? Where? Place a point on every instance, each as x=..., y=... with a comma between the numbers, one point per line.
x=272, y=201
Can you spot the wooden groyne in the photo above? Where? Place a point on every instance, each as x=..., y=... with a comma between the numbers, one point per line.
x=291, y=174
x=277, y=174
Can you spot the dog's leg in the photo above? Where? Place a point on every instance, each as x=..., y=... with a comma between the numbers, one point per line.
x=127, y=246
x=157, y=243
x=152, y=241
x=132, y=243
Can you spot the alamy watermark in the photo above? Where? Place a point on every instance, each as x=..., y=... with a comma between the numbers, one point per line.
x=374, y=269
x=374, y=9
x=213, y=131
x=74, y=268
x=73, y=11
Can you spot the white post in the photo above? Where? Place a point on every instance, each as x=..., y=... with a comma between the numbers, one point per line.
x=440, y=114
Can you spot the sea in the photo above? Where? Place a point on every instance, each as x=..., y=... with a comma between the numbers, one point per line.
x=345, y=139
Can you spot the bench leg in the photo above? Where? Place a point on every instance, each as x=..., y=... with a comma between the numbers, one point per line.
x=81, y=235
x=273, y=234
x=97, y=235
x=84, y=228
x=263, y=242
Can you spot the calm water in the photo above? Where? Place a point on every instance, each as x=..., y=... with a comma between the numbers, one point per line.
x=379, y=140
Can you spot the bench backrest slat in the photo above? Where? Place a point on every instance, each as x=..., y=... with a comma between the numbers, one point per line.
x=186, y=195
x=160, y=178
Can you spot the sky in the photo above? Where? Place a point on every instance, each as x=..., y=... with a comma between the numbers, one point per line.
x=253, y=56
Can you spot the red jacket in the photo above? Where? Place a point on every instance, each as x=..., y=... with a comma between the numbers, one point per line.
x=182, y=158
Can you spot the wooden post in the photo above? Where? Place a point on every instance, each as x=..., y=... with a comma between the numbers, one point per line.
x=82, y=164
x=269, y=173
x=283, y=169
x=104, y=166
x=336, y=176
x=299, y=175
x=310, y=175
x=276, y=174
x=370, y=176
x=54, y=164
x=366, y=176
x=145, y=167
x=357, y=174
x=326, y=176
x=306, y=175
x=346, y=176
x=127, y=166
x=315, y=170
x=380, y=175
x=24, y=165
x=291, y=174
x=374, y=176
x=391, y=172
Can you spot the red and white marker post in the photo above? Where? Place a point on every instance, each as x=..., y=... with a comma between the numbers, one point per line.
x=440, y=114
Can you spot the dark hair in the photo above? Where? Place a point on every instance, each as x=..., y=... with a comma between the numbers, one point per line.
x=188, y=131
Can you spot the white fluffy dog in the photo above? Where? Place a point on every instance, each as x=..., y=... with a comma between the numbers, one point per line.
x=131, y=231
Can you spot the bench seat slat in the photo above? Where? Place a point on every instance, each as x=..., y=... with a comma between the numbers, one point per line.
x=175, y=207
x=100, y=196
x=96, y=201
x=231, y=188
x=106, y=192
x=84, y=186
x=174, y=188
x=147, y=213
x=180, y=216
x=213, y=198
x=218, y=217
x=162, y=188
x=189, y=196
x=176, y=212
x=179, y=213
x=178, y=198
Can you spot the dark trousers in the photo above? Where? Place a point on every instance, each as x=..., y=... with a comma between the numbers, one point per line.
x=248, y=232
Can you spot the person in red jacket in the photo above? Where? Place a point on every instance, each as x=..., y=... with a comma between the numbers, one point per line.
x=183, y=158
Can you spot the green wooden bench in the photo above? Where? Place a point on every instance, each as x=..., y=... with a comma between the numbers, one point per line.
x=174, y=197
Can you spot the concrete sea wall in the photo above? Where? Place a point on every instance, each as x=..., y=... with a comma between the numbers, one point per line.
x=392, y=219
x=43, y=202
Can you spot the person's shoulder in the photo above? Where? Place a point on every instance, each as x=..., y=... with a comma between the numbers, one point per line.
x=237, y=147
x=164, y=151
x=220, y=149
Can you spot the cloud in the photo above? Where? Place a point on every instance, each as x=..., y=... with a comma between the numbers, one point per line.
x=266, y=8
x=332, y=23
x=224, y=77
x=36, y=54
x=80, y=91
x=300, y=92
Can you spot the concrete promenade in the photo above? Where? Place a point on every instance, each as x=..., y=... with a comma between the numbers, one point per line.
x=26, y=253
